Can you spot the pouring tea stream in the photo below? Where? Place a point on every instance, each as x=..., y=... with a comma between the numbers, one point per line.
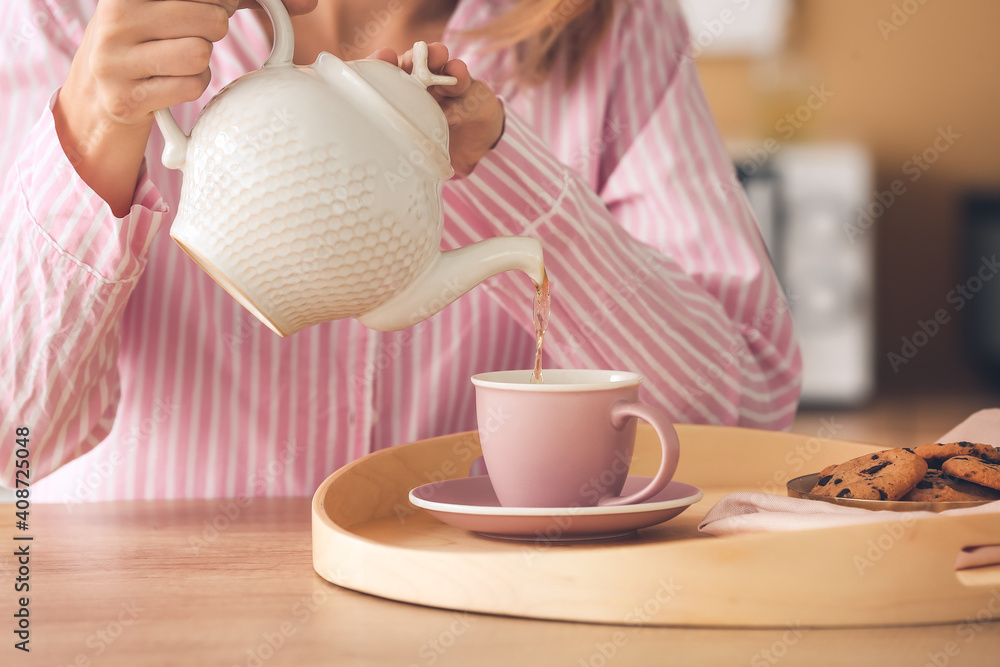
x=339, y=215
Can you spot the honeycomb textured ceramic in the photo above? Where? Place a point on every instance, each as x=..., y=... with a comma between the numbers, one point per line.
x=301, y=221
x=314, y=193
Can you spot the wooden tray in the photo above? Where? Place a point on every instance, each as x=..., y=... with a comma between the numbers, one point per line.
x=369, y=538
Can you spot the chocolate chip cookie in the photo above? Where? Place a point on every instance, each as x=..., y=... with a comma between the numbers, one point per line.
x=937, y=453
x=974, y=470
x=939, y=486
x=886, y=475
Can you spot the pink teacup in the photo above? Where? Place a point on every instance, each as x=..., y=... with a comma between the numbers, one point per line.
x=567, y=442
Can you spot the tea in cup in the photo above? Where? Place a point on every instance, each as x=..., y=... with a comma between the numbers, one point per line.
x=567, y=442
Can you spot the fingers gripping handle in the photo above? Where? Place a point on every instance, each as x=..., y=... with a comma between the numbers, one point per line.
x=175, y=148
x=621, y=412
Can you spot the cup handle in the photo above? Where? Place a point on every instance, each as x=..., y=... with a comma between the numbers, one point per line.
x=175, y=141
x=621, y=412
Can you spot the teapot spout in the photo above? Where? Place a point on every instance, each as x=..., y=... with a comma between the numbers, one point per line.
x=452, y=274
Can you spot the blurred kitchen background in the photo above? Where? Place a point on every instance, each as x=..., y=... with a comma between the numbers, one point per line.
x=867, y=136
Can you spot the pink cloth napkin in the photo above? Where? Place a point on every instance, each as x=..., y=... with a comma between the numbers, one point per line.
x=750, y=512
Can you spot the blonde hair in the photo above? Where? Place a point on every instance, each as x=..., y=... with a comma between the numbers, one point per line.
x=543, y=31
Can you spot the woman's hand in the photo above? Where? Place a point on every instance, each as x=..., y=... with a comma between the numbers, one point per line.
x=136, y=56
x=475, y=115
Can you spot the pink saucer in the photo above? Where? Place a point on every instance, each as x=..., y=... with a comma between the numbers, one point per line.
x=470, y=503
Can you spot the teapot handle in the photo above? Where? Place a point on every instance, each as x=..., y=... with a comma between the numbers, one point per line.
x=175, y=148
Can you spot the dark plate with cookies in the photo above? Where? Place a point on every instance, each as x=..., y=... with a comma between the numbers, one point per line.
x=930, y=478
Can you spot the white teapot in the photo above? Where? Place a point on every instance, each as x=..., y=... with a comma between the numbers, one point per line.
x=314, y=193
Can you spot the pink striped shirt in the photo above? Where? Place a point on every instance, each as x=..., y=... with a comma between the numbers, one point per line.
x=139, y=377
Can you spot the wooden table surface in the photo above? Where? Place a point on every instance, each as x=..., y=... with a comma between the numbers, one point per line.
x=217, y=583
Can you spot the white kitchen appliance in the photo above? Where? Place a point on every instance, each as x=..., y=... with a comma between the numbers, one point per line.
x=813, y=205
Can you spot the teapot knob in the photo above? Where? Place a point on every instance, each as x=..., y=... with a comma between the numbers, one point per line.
x=422, y=73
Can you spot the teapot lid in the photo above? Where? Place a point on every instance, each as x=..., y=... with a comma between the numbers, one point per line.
x=406, y=94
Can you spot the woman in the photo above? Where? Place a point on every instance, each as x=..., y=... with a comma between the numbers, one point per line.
x=602, y=147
